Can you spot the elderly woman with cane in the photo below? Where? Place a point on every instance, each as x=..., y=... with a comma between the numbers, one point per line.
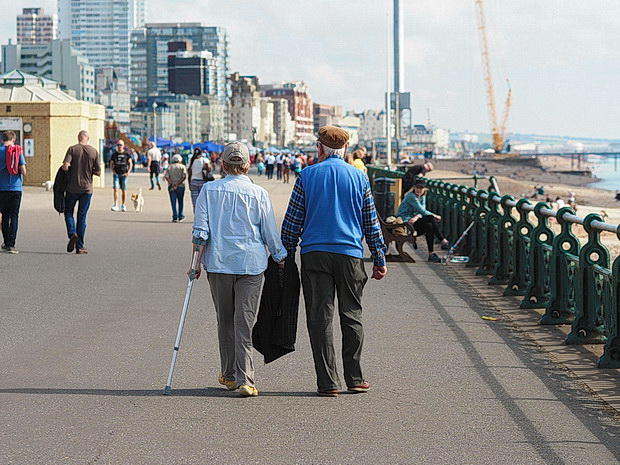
x=413, y=209
x=236, y=220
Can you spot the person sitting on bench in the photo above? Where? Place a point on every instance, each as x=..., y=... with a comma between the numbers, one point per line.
x=413, y=209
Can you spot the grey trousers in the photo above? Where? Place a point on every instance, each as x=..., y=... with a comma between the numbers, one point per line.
x=323, y=275
x=236, y=300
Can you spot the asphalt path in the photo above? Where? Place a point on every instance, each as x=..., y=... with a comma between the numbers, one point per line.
x=86, y=341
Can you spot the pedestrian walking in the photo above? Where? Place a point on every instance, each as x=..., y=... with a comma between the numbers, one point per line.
x=270, y=162
x=260, y=164
x=121, y=164
x=279, y=165
x=358, y=161
x=195, y=174
x=236, y=218
x=297, y=166
x=286, y=169
x=153, y=160
x=413, y=210
x=331, y=209
x=175, y=175
x=12, y=171
x=412, y=173
x=81, y=162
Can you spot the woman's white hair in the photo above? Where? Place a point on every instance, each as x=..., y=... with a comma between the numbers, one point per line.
x=330, y=151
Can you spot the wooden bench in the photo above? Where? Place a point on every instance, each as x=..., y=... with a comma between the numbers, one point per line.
x=399, y=241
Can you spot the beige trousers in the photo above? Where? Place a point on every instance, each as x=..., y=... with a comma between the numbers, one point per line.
x=236, y=300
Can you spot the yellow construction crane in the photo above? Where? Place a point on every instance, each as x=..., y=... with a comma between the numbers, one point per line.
x=498, y=132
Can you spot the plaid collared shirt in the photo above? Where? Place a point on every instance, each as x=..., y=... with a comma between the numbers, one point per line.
x=296, y=214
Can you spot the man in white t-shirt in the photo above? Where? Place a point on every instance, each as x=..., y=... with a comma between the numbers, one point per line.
x=153, y=159
x=279, y=161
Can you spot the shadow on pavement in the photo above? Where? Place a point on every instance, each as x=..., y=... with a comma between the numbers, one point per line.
x=205, y=392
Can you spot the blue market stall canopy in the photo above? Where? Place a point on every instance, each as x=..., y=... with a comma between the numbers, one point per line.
x=162, y=142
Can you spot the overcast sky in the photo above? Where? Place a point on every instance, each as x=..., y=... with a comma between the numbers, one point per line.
x=562, y=56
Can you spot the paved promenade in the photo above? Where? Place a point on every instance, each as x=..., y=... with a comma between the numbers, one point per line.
x=86, y=341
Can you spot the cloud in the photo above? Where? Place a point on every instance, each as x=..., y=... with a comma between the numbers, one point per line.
x=562, y=57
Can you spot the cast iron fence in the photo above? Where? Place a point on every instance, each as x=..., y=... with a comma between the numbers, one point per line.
x=512, y=243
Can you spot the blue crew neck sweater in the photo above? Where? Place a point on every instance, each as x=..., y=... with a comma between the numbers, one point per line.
x=334, y=195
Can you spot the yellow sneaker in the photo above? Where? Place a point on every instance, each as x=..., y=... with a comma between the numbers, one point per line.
x=247, y=391
x=230, y=385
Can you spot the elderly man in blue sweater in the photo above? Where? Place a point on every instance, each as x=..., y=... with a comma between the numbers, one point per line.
x=331, y=209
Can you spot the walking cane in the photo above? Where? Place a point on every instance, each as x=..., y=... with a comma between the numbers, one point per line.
x=192, y=276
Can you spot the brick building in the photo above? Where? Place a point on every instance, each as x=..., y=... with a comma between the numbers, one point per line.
x=299, y=106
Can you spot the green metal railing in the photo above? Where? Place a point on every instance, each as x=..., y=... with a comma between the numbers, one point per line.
x=513, y=244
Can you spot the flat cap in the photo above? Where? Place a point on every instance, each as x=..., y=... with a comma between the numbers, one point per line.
x=236, y=153
x=333, y=137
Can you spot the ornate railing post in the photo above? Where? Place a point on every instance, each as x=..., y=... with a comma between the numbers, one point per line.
x=503, y=250
x=611, y=353
x=517, y=284
x=491, y=236
x=537, y=292
x=564, y=269
x=453, y=215
x=593, y=289
x=479, y=229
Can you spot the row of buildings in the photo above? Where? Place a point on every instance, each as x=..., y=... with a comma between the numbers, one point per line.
x=170, y=80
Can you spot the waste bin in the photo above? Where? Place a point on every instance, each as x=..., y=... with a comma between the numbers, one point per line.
x=384, y=198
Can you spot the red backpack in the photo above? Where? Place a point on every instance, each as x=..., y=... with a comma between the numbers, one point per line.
x=13, y=155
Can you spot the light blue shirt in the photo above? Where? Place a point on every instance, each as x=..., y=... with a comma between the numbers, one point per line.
x=236, y=219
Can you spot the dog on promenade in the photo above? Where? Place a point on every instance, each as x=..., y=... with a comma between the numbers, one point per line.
x=138, y=201
x=49, y=185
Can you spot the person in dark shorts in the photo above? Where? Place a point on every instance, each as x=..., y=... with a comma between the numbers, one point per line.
x=120, y=166
x=82, y=162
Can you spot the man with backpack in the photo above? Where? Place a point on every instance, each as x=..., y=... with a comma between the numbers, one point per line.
x=81, y=162
x=12, y=168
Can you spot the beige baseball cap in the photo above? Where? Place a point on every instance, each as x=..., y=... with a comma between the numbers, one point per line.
x=236, y=153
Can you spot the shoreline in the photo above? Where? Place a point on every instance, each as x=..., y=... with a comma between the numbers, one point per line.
x=519, y=177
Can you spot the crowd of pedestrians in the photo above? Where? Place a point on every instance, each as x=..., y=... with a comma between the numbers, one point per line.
x=331, y=210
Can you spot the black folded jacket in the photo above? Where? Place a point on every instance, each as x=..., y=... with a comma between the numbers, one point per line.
x=275, y=331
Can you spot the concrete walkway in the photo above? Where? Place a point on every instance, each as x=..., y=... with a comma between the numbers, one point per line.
x=85, y=346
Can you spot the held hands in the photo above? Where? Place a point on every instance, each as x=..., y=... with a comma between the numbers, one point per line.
x=378, y=272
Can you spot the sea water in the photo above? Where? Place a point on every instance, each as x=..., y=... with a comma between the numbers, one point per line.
x=608, y=171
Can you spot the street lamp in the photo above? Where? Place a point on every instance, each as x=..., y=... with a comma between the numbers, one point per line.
x=155, y=123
